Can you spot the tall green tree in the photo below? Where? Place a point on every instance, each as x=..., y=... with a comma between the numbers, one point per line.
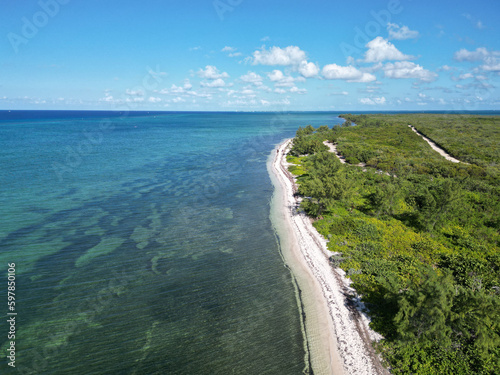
x=425, y=309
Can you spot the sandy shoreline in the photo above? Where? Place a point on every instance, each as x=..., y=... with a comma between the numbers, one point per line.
x=337, y=334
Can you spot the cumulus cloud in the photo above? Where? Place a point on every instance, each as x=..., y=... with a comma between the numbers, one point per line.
x=285, y=82
x=152, y=99
x=373, y=101
x=135, y=100
x=179, y=89
x=308, y=69
x=276, y=75
x=465, y=76
x=281, y=80
x=491, y=64
x=380, y=49
x=232, y=51
x=348, y=73
x=187, y=85
x=219, y=82
x=253, y=78
x=490, y=59
x=291, y=55
x=134, y=92
x=211, y=72
x=296, y=90
x=400, y=32
x=406, y=69
x=477, y=55
x=446, y=68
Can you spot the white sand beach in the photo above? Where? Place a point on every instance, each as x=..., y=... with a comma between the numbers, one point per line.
x=339, y=340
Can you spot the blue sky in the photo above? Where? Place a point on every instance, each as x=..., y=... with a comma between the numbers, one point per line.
x=250, y=55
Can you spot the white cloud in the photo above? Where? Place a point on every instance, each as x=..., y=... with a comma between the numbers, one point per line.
x=476, y=22
x=253, y=78
x=491, y=64
x=152, y=99
x=400, y=32
x=291, y=55
x=490, y=59
x=134, y=100
x=446, y=68
x=280, y=80
x=134, y=92
x=219, y=82
x=180, y=89
x=373, y=101
x=211, y=72
x=477, y=55
x=265, y=39
x=187, y=85
x=285, y=82
x=178, y=100
x=276, y=75
x=296, y=90
x=348, y=73
x=465, y=76
x=280, y=91
x=406, y=69
x=380, y=49
x=248, y=92
x=232, y=51
x=308, y=70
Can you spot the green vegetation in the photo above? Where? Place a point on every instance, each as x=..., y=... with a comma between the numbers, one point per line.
x=469, y=138
x=418, y=235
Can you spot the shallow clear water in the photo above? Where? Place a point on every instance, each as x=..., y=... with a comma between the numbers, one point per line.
x=143, y=244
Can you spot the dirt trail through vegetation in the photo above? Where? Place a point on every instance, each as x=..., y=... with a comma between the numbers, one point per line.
x=435, y=147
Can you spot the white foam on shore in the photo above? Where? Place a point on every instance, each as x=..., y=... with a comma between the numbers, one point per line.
x=338, y=337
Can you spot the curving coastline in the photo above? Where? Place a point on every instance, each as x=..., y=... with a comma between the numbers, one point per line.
x=337, y=334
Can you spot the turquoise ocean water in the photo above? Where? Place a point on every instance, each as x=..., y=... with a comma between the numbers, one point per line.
x=143, y=244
